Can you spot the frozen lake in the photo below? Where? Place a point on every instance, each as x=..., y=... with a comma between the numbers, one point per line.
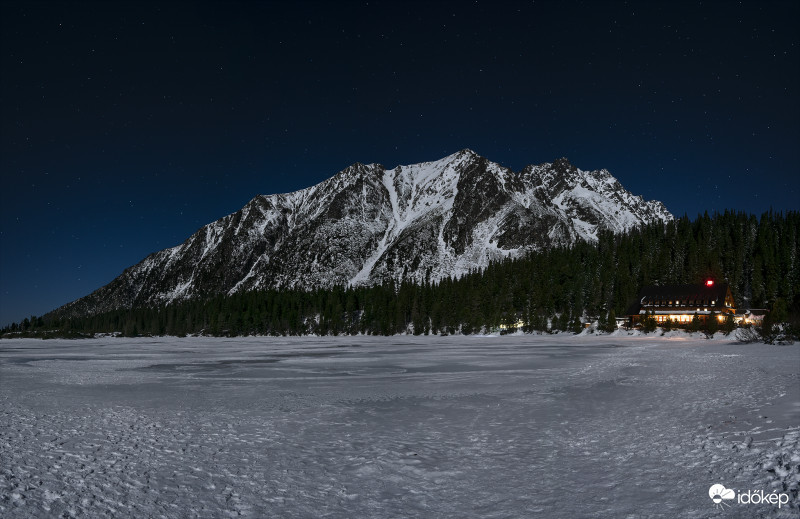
x=513, y=426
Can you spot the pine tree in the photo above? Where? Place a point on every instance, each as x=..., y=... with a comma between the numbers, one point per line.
x=649, y=323
x=728, y=325
x=611, y=321
x=694, y=324
x=711, y=325
x=667, y=325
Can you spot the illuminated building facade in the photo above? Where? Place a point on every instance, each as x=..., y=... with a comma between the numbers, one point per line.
x=680, y=303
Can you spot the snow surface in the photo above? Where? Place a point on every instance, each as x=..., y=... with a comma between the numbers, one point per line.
x=512, y=426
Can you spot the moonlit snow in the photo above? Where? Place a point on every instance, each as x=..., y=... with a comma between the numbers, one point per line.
x=512, y=426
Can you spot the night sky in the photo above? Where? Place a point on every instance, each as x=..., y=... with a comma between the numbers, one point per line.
x=127, y=126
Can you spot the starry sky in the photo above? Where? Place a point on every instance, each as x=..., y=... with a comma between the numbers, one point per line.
x=127, y=126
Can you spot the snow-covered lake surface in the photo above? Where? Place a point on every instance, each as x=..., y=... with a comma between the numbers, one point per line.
x=513, y=426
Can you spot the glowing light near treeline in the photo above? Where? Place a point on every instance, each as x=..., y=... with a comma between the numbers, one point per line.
x=709, y=282
x=685, y=318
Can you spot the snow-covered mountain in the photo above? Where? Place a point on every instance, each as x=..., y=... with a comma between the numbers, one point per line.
x=368, y=224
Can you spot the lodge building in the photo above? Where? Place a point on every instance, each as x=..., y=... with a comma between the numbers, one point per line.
x=681, y=302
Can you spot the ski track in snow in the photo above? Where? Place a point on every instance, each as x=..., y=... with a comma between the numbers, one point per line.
x=514, y=426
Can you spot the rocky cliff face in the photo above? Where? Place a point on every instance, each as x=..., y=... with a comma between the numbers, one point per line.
x=368, y=224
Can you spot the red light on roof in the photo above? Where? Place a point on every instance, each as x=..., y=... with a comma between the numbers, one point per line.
x=709, y=282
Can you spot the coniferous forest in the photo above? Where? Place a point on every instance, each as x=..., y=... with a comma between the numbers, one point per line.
x=551, y=290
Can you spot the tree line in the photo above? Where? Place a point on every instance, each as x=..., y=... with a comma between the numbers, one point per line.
x=555, y=289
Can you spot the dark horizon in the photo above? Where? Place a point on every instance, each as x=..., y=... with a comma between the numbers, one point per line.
x=127, y=126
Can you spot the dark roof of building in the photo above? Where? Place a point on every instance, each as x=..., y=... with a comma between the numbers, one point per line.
x=651, y=294
x=682, y=292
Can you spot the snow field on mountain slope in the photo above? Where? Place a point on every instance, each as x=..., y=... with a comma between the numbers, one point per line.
x=432, y=187
x=513, y=426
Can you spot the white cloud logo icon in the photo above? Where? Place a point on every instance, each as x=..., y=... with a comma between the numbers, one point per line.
x=718, y=493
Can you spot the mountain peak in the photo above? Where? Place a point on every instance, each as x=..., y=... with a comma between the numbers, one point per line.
x=460, y=155
x=563, y=165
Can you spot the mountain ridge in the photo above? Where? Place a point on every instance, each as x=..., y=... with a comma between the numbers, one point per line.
x=367, y=224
